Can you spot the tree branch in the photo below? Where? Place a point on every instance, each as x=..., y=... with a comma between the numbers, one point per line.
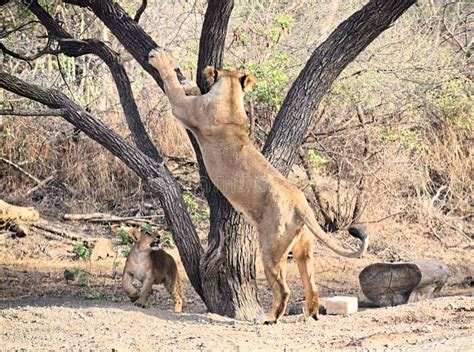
x=19, y=168
x=73, y=47
x=15, y=55
x=324, y=66
x=127, y=31
x=140, y=11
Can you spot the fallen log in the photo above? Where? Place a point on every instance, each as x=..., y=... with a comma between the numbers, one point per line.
x=9, y=212
x=59, y=231
x=108, y=218
x=391, y=284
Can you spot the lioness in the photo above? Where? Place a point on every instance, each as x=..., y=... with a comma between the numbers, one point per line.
x=277, y=209
x=150, y=265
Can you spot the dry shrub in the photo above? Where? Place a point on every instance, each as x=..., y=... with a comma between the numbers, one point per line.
x=47, y=146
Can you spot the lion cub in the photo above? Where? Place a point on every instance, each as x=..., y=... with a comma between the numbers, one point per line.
x=150, y=265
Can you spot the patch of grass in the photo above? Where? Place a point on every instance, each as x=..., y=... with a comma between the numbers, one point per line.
x=96, y=295
x=83, y=279
x=81, y=250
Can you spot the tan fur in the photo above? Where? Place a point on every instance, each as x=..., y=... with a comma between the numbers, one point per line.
x=150, y=267
x=277, y=209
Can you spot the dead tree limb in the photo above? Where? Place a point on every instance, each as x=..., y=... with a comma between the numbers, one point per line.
x=391, y=284
x=11, y=112
x=20, y=169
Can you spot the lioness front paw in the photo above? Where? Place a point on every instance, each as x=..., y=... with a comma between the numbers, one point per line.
x=160, y=58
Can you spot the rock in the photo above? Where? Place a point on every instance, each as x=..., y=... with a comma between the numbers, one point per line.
x=341, y=305
x=103, y=248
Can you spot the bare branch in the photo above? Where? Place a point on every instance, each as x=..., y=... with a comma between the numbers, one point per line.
x=358, y=206
x=19, y=168
x=18, y=29
x=140, y=11
x=40, y=53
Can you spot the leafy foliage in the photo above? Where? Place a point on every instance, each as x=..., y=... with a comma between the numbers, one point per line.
x=81, y=250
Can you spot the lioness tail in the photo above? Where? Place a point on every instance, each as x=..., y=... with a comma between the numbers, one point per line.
x=332, y=244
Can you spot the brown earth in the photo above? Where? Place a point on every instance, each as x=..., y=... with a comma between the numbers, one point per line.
x=41, y=311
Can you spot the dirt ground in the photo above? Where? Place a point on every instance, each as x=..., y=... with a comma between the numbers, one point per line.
x=40, y=311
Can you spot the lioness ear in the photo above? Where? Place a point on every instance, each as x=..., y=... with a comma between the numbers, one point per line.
x=210, y=73
x=247, y=81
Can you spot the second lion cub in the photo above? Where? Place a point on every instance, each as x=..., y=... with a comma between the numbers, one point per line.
x=149, y=264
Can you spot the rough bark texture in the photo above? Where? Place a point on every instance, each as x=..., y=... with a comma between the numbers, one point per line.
x=391, y=284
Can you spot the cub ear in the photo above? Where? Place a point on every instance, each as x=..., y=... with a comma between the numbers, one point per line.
x=247, y=81
x=210, y=73
x=135, y=233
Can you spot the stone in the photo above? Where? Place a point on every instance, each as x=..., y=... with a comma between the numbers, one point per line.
x=341, y=305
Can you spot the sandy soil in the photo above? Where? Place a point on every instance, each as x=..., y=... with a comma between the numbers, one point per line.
x=443, y=324
x=40, y=311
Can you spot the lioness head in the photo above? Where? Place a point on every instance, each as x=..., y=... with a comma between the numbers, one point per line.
x=145, y=241
x=213, y=75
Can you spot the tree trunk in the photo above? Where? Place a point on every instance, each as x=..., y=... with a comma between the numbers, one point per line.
x=228, y=270
x=291, y=125
x=391, y=284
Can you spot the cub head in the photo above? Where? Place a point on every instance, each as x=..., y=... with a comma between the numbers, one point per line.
x=145, y=241
x=213, y=75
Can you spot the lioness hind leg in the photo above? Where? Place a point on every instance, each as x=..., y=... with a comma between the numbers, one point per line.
x=303, y=252
x=275, y=273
